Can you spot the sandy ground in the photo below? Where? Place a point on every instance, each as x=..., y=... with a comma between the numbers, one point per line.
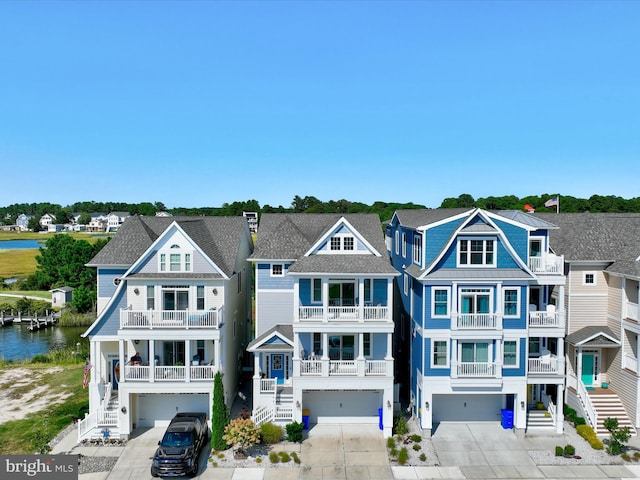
x=18, y=399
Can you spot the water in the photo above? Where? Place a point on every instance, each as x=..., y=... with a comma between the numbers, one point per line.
x=17, y=342
x=20, y=244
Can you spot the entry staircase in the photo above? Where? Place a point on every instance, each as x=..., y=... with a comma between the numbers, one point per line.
x=607, y=404
x=281, y=411
x=103, y=423
x=540, y=422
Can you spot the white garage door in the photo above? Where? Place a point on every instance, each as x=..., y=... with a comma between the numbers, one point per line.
x=338, y=406
x=157, y=409
x=467, y=408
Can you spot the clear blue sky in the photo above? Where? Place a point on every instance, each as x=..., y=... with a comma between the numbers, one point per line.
x=199, y=103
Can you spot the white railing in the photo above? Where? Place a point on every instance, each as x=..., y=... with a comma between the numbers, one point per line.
x=203, y=372
x=542, y=318
x=544, y=364
x=262, y=415
x=376, y=367
x=552, y=412
x=310, y=367
x=477, y=320
x=376, y=313
x=631, y=362
x=341, y=313
x=136, y=372
x=88, y=423
x=108, y=388
x=476, y=369
x=548, y=263
x=311, y=313
x=283, y=413
x=106, y=418
x=588, y=406
x=170, y=374
x=170, y=318
x=632, y=311
x=267, y=385
x=343, y=367
x=99, y=418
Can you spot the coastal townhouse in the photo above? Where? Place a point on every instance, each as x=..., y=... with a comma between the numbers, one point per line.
x=174, y=308
x=480, y=317
x=324, y=326
x=602, y=261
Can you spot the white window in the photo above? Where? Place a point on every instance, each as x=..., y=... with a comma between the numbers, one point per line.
x=440, y=354
x=589, y=278
x=368, y=292
x=511, y=302
x=335, y=243
x=175, y=260
x=440, y=301
x=397, y=242
x=347, y=243
x=163, y=262
x=417, y=249
x=406, y=284
x=404, y=245
x=476, y=253
x=317, y=290
x=342, y=242
x=151, y=299
x=200, y=297
x=510, y=354
x=277, y=270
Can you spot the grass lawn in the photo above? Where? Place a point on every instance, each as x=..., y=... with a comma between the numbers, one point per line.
x=89, y=237
x=29, y=434
x=17, y=263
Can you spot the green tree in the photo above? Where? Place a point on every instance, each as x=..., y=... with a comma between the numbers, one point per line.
x=219, y=415
x=619, y=436
x=83, y=299
x=85, y=219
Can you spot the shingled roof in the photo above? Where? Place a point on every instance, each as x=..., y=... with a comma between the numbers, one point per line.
x=288, y=236
x=605, y=237
x=218, y=237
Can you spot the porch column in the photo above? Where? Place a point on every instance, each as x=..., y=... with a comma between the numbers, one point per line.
x=325, y=300
x=454, y=358
x=152, y=361
x=361, y=298
x=499, y=307
x=123, y=361
x=579, y=366
x=454, y=306
x=216, y=355
x=624, y=298
x=325, y=355
x=360, y=360
x=96, y=374
x=187, y=363
x=389, y=303
x=561, y=309
x=498, y=359
x=560, y=355
x=559, y=409
x=389, y=356
x=296, y=356
x=296, y=300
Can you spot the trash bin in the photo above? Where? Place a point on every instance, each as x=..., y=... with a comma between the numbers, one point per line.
x=305, y=418
x=380, y=424
x=507, y=418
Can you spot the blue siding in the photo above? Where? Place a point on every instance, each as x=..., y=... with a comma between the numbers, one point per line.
x=416, y=352
x=267, y=282
x=417, y=291
x=434, y=372
x=521, y=371
x=521, y=321
x=378, y=346
x=437, y=238
x=109, y=322
x=106, y=276
x=304, y=292
x=518, y=238
x=434, y=323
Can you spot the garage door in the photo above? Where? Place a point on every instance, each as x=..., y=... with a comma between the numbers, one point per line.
x=157, y=409
x=339, y=406
x=467, y=408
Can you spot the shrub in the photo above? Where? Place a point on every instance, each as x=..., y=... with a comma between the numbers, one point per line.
x=393, y=452
x=559, y=451
x=403, y=456
x=587, y=432
x=416, y=438
x=579, y=421
x=619, y=436
x=284, y=457
x=626, y=457
x=569, y=450
x=242, y=433
x=258, y=459
x=219, y=415
x=423, y=457
x=273, y=457
x=416, y=446
x=294, y=431
x=270, y=433
x=636, y=455
x=400, y=427
x=391, y=442
x=295, y=457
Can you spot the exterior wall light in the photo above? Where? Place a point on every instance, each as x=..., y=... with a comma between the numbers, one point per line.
x=215, y=291
x=426, y=406
x=123, y=409
x=522, y=405
x=136, y=291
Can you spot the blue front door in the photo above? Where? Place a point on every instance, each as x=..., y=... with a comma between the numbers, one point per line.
x=115, y=373
x=277, y=367
x=588, y=370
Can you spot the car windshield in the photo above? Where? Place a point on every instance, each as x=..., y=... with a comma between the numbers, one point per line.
x=177, y=439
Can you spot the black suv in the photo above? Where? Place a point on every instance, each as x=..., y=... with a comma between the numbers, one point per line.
x=179, y=449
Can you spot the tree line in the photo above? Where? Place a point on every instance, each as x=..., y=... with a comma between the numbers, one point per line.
x=311, y=204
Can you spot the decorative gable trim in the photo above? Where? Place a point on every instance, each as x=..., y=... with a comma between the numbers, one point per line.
x=426, y=227
x=273, y=339
x=342, y=222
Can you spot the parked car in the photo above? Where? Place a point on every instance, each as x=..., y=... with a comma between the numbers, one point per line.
x=181, y=444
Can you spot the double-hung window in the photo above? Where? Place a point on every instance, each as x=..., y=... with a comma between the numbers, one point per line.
x=440, y=301
x=440, y=355
x=317, y=290
x=476, y=253
x=510, y=353
x=511, y=302
x=176, y=260
x=417, y=249
x=404, y=245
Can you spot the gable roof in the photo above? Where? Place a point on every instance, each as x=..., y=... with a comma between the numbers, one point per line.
x=219, y=239
x=594, y=336
x=598, y=237
x=290, y=236
x=281, y=332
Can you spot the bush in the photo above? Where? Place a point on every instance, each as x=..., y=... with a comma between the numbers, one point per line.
x=416, y=446
x=569, y=450
x=391, y=442
x=259, y=460
x=416, y=438
x=284, y=457
x=626, y=457
x=403, y=456
x=270, y=433
x=294, y=431
x=587, y=432
x=393, y=452
x=295, y=457
x=400, y=427
x=242, y=433
x=273, y=457
x=579, y=421
x=423, y=457
x=559, y=451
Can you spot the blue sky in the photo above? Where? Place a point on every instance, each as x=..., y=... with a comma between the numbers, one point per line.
x=199, y=103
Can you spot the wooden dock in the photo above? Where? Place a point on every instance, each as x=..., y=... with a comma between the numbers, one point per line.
x=35, y=322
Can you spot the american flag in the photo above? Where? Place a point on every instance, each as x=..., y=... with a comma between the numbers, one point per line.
x=85, y=377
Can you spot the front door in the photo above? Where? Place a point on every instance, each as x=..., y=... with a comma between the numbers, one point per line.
x=115, y=373
x=277, y=367
x=588, y=369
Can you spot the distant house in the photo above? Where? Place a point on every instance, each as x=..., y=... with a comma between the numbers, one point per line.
x=115, y=219
x=163, y=214
x=47, y=219
x=252, y=219
x=23, y=221
x=98, y=223
x=61, y=296
x=54, y=227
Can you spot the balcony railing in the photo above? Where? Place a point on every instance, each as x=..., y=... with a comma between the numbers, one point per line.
x=197, y=373
x=477, y=369
x=632, y=311
x=344, y=368
x=547, y=264
x=631, y=362
x=183, y=319
x=544, y=365
x=344, y=314
x=474, y=321
x=543, y=318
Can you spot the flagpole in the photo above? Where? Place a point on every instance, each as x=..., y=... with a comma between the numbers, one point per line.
x=558, y=205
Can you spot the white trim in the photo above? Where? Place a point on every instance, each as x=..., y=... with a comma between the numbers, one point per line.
x=397, y=242
x=417, y=249
x=406, y=284
x=584, y=278
x=447, y=344
x=276, y=275
x=404, y=244
x=518, y=305
x=485, y=240
x=517, y=342
x=433, y=301
x=356, y=235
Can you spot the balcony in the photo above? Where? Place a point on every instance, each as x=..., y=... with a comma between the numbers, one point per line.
x=175, y=373
x=545, y=365
x=547, y=264
x=631, y=362
x=344, y=314
x=346, y=368
x=632, y=311
x=476, y=370
x=546, y=319
x=477, y=321
x=170, y=319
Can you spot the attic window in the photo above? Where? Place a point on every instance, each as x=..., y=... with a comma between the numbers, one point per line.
x=342, y=242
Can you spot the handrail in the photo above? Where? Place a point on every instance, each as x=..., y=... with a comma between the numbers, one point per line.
x=588, y=406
